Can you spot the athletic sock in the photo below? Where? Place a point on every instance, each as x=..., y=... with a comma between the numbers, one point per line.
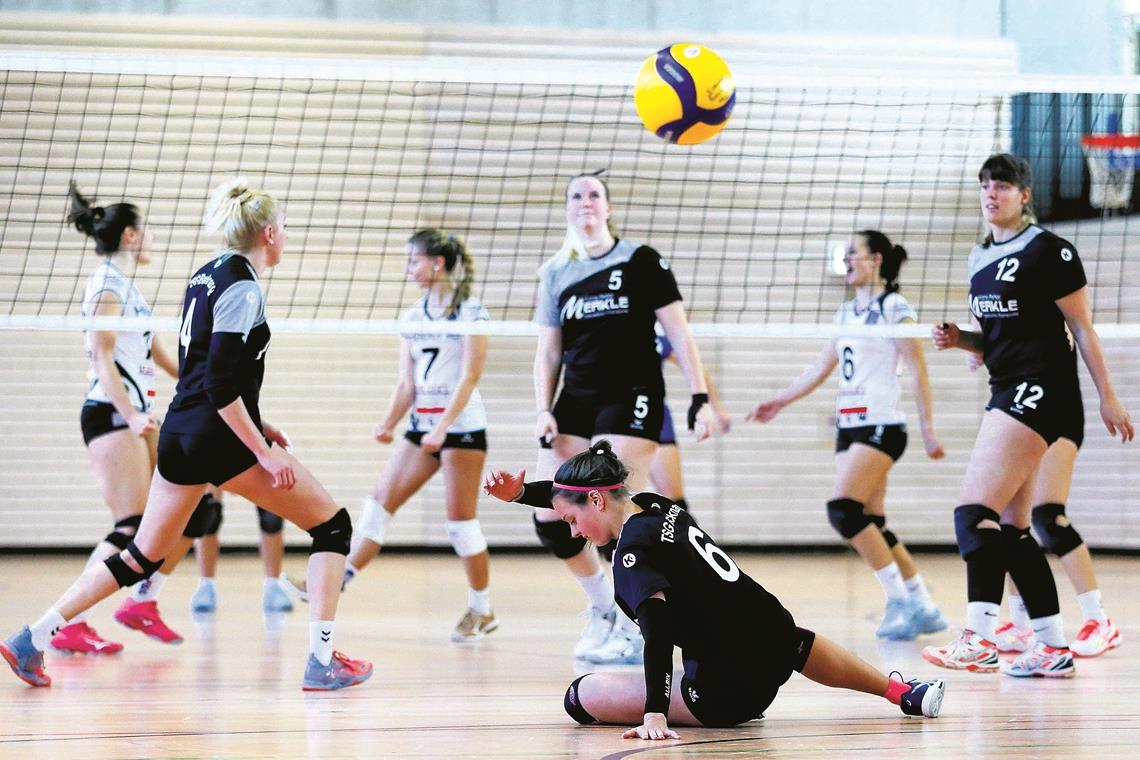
x=981, y=618
x=891, y=580
x=1050, y=631
x=480, y=601
x=46, y=627
x=895, y=691
x=1018, y=615
x=320, y=640
x=1091, y=606
x=268, y=584
x=147, y=591
x=350, y=572
x=916, y=587
x=598, y=590
x=204, y=582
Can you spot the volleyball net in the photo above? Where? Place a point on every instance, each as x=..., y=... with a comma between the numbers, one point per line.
x=363, y=154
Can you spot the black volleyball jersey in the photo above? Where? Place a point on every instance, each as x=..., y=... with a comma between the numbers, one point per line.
x=223, y=296
x=720, y=615
x=1013, y=289
x=605, y=307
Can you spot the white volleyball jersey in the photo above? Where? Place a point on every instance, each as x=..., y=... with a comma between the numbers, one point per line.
x=439, y=368
x=869, y=367
x=132, y=349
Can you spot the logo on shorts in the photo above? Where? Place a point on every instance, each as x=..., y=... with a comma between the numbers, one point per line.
x=629, y=560
x=878, y=436
x=693, y=695
x=1066, y=254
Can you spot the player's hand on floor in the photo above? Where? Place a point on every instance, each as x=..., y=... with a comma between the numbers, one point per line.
x=654, y=727
x=503, y=485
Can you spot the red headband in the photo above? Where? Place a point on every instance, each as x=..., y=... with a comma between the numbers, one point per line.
x=563, y=487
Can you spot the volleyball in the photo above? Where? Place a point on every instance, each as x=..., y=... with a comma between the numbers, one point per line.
x=684, y=93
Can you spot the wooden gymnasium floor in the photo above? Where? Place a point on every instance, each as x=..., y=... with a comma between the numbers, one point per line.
x=232, y=689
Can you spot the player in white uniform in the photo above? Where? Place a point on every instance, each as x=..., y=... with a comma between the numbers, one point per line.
x=871, y=427
x=118, y=426
x=447, y=426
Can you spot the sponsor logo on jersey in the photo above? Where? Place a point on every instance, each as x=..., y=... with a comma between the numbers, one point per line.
x=589, y=307
x=203, y=279
x=993, y=305
x=664, y=263
x=1066, y=254
x=629, y=560
x=669, y=527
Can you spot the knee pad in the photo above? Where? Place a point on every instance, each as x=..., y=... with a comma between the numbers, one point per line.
x=333, y=535
x=1056, y=537
x=124, y=531
x=466, y=537
x=269, y=523
x=203, y=515
x=847, y=517
x=888, y=536
x=373, y=521
x=970, y=537
x=125, y=575
x=214, y=517
x=556, y=537
x=574, y=706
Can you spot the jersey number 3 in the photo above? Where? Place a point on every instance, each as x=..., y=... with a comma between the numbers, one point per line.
x=718, y=560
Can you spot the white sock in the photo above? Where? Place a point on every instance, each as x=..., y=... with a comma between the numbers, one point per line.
x=599, y=590
x=916, y=587
x=270, y=584
x=320, y=640
x=350, y=571
x=1050, y=631
x=480, y=601
x=1091, y=606
x=892, y=582
x=981, y=618
x=46, y=627
x=1018, y=614
x=147, y=591
x=205, y=582
x=81, y=616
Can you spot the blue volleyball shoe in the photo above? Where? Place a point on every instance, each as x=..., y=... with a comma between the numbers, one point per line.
x=340, y=673
x=26, y=661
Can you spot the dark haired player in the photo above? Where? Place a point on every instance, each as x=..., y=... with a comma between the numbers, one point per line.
x=738, y=643
x=1028, y=293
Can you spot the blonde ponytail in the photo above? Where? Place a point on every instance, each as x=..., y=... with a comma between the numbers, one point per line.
x=239, y=213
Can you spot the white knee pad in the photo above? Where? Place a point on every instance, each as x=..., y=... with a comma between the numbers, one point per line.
x=467, y=537
x=373, y=523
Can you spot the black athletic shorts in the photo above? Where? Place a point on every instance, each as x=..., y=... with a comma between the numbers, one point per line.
x=889, y=439
x=476, y=439
x=742, y=690
x=190, y=459
x=98, y=418
x=638, y=414
x=1049, y=404
x=668, y=435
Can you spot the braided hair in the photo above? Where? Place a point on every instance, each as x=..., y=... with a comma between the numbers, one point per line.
x=103, y=224
x=597, y=466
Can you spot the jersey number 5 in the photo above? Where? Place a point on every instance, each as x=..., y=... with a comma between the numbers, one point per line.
x=720, y=562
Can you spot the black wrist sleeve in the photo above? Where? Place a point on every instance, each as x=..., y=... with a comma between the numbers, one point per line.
x=222, y=368
x=657, y=629
x=537, y=494
x=699, y=400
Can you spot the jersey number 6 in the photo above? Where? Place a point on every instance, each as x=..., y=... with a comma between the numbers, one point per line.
x=720, y=562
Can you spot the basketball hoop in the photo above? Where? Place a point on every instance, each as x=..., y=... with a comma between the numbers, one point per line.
x=1113, y=160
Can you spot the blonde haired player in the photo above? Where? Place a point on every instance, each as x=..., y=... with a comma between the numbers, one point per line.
x=213, y=433
x=447, y=429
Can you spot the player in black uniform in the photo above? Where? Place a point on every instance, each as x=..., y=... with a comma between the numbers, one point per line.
x=738, y=643
x=598, y=301
x=213, y=433
x=1028, y=293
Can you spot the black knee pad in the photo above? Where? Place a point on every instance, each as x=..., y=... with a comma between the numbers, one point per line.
x=971, y=538
x=1059, y=539
x=847, y=517
x=213, y=517
x=270, y=523
x=888, y=536
x=574, y=707
x=334, y=535
x=124, y=531
x=200, y=519
x=556, y=537
x=126, y=575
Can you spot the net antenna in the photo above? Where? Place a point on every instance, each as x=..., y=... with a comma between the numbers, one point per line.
x=1113, y=159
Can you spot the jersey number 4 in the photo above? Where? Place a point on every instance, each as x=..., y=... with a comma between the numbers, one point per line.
x=718, y=560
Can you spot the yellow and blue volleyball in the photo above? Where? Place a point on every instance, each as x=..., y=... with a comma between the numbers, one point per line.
x=684, y=93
